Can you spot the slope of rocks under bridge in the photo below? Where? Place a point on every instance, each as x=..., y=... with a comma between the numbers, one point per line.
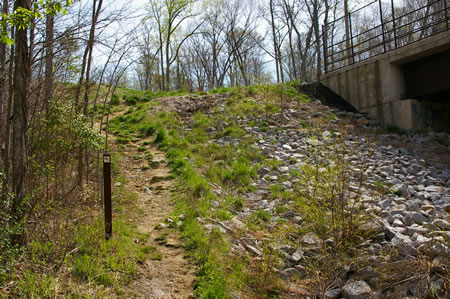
x=413, y=170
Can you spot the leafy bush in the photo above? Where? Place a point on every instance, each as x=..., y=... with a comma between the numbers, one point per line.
x=115, y=100
x=161, y=136
x=131, y=100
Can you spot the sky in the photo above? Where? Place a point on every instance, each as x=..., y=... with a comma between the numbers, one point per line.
x=137, y=9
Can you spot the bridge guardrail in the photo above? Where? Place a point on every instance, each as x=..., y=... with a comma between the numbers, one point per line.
x=380, y=27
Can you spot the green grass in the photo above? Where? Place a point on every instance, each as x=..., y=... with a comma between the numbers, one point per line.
x=141, y=148
x=88, y=258
x=33, y=285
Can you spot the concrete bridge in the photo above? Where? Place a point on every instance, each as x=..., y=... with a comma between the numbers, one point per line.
x=402, y=84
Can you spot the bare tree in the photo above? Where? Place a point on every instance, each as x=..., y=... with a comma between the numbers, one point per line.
x=3, y=74
x=20, y=112
x=169, y=17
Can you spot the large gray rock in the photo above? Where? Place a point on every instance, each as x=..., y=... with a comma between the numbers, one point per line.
x=311, y=239
x=442, y=224
x=297, y=256
x=356, y=289
x=419, y=218
x=397, y=189
x=290, y=272
x=333, y=293
x=435, y=189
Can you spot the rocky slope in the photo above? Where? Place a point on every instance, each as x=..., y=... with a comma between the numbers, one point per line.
x=397, y=188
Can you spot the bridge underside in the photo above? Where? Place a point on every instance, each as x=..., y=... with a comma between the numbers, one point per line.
x=407, y=88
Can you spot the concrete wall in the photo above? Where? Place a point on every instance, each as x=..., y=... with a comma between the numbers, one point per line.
x=377, y=86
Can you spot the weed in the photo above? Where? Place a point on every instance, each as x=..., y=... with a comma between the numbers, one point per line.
x=131, y=100
x=240, y=173
x=115, y=100
x=280, y=209
x=223, y=214
x=235, y=201
x=259, y=217
x=122, y=140
x=102, y=261
x=147, y=130
x=161, y=136
x=325, y=198
x=33, y=285
x=149, y=157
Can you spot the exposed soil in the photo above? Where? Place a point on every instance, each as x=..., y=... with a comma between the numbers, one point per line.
x=165, y=273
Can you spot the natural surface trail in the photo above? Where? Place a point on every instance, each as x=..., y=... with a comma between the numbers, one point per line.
x=165, y=273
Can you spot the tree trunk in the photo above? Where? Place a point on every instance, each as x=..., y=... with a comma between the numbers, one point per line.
x=325, y=34
x=20, y=111
x=95, y=13
x=347, y=33
x=167, y=84
x=161, y=54
x=274, y=40
x=3, y=80
x=6, y=150
x=87, y=59
x=291, y=48
x=317, y=37
x=48, y=82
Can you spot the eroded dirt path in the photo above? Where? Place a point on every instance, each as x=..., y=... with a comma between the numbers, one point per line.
x=165, y=273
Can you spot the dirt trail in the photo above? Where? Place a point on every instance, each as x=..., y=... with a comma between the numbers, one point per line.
x=165, y=273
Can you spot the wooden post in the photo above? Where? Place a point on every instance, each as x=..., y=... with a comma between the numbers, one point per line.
x=107, y=195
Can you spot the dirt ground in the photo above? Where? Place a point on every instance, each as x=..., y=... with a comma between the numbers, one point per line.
x=172, y=276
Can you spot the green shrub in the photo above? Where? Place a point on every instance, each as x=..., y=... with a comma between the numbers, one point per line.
x=161, y=136
x=115, y=100
x=147, y=130
x=131, y=100
x=252, y=90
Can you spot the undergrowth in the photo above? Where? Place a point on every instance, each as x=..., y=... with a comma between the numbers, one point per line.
x=74, y=259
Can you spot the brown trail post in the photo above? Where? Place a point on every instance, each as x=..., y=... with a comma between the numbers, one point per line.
x=107, y=195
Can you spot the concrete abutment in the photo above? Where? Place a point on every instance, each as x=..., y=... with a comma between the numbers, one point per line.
x=408, y=88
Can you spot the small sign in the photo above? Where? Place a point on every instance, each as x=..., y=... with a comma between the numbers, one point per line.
x=106, y=159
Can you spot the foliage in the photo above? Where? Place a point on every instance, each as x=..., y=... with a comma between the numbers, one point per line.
x=88, y=257
x=327, y=199
x=131, y=100
x=67, y=130
x=104, y=262
x=22, y=17
x=115, y=100
x=8, y=250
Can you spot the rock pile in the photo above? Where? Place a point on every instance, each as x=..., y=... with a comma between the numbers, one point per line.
x=408, y=200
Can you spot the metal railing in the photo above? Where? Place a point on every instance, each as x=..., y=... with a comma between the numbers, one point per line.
x=387, y=28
